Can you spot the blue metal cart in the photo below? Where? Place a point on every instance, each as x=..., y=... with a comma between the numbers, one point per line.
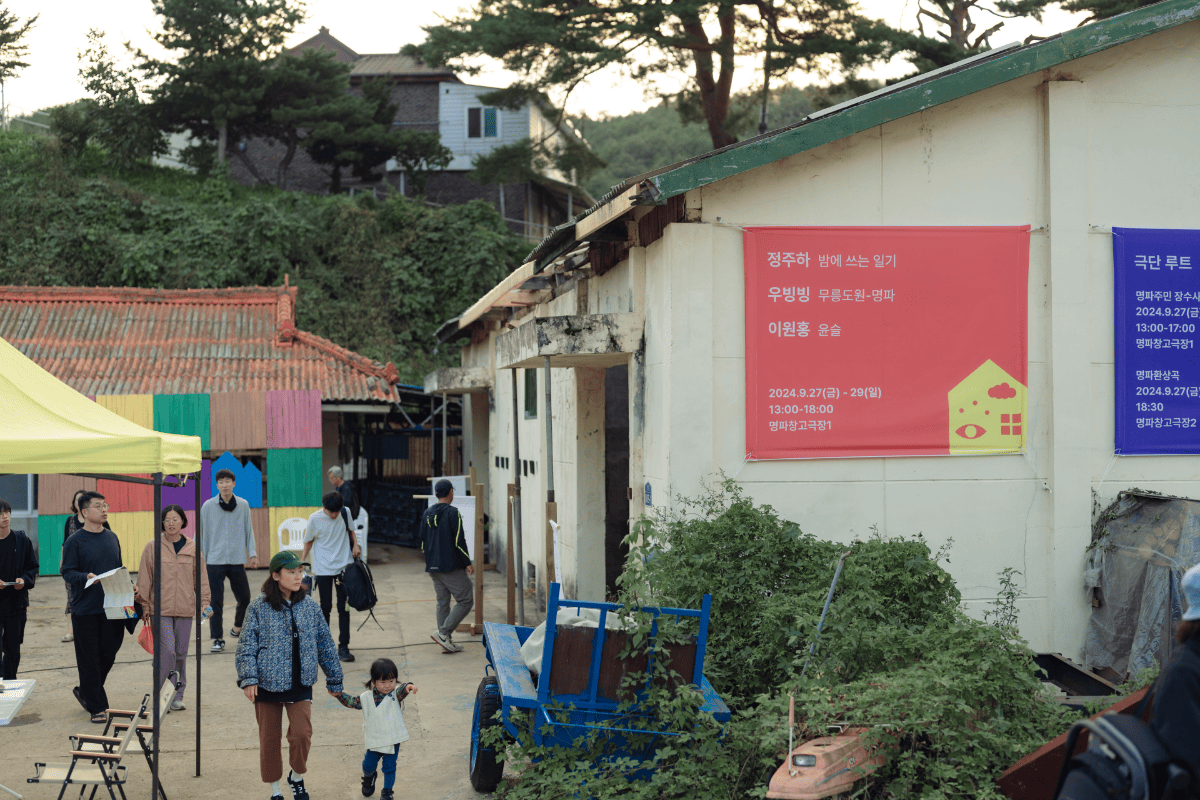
x=579, y=690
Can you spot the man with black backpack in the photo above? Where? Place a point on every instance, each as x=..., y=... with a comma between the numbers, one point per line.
x=448, y=564
x=334, y=547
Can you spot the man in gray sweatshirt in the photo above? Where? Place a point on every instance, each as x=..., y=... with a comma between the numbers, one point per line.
x=227, y=544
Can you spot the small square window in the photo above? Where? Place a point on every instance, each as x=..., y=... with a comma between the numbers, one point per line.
x=483, y=123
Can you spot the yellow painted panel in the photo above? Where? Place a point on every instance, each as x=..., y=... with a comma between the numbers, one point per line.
x=278, y=515
x=134, y=529
x=137, y=408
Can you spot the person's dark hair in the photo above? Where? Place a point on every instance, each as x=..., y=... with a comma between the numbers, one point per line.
x=273, y=595
x=86, y=499
x=178, y=510
x=75, y=500
x=442, y=488
x=4, y=506
x=332, y=502
x=225, y=473
x=1187, y=630
x=381, y=670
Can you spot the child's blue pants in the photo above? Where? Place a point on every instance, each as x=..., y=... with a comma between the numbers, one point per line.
x=371, y=760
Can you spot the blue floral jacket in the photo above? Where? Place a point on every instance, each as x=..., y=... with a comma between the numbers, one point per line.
x=264, y=653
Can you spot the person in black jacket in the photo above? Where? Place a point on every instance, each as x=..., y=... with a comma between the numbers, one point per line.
x=1176, y=715
x=18, y=571
x=93, y=550
x=448, y=564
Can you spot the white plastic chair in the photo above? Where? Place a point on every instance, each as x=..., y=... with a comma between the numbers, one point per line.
x=360, y=531
x=291, y=533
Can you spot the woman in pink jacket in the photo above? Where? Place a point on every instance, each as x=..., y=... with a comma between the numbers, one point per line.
x=178, y=595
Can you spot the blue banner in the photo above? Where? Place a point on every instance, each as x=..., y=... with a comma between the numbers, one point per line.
x=1157, y=299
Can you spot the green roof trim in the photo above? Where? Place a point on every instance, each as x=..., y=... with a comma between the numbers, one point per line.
x=917, y=97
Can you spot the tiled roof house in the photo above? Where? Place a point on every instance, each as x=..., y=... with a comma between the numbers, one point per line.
x=119, y=341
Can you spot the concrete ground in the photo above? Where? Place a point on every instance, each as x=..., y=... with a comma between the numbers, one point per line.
x=432, y=764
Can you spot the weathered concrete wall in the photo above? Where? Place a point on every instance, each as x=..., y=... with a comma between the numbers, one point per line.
x=1108, y=140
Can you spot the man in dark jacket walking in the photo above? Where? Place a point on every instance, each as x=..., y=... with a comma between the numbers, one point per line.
x=18, y=571
x=448, y=564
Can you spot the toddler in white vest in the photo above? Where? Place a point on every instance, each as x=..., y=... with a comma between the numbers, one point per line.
x=383, y=724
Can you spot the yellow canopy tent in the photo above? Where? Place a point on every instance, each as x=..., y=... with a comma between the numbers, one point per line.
x=49, y=428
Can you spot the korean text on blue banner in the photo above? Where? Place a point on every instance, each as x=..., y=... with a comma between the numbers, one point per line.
x=1157, y=298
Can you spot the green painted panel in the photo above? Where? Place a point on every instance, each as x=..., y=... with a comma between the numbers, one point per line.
x=294, y=477
x=183, y=413
x=50, y=542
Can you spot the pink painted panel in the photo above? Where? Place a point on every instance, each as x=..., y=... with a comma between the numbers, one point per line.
x=55, y=492
x=293, y=418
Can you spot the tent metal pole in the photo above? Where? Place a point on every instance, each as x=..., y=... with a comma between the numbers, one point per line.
x=199, y=619
x=157, y=627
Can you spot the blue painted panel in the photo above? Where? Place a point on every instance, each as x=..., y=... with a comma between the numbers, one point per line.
x=247, y=479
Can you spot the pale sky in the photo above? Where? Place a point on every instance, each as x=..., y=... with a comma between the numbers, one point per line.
x=366, y=27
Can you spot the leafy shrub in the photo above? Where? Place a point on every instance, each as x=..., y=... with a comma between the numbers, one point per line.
x=953, y=701
x=377, y=277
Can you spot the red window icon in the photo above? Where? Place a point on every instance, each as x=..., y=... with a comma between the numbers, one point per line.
x=1010, y=430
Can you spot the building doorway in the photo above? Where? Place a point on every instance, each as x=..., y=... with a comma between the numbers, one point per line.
x=616, y=473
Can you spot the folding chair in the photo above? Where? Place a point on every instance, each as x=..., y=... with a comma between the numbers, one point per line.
x=91, y=767
x=145, y=733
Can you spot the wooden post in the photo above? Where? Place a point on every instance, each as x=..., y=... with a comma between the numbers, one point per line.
x=511, y=613
x=551, y=514
x=477, y=628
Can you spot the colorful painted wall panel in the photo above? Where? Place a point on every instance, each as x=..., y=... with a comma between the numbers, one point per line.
x=183, y=413
x=260, y=518
x=280, y=515
x=293, y=419
x=248, y=483
x=55, y=492
x=185, y=497
x=50, y=542
x=238, y=420
x=133, y=529
x=137, y=408
x=294, y=477
x=122, y=496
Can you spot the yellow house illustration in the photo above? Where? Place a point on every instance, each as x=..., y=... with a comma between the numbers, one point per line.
x=986, y=413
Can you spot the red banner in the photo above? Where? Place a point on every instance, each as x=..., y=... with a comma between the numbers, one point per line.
x=885, y=341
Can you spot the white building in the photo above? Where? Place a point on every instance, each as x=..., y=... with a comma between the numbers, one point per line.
x=639, y=306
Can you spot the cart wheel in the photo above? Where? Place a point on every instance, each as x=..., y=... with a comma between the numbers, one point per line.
x=485, y=770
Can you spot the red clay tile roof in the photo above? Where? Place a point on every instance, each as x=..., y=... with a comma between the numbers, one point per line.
x=105, y=341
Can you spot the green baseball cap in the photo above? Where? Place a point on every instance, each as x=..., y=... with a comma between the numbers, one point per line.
x=287, y=559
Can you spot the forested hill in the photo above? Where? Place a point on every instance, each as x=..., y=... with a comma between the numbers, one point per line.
x=657, y=137
x=377, y=277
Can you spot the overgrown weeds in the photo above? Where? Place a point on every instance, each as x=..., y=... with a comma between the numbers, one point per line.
x=952, y=700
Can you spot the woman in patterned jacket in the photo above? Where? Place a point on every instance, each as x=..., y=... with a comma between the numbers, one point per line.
x=283, y=640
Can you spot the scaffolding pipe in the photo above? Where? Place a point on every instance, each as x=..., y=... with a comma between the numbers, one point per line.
x=520, y=568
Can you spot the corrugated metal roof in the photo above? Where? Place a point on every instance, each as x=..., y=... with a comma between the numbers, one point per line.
x=116, y=341
x=393, y=64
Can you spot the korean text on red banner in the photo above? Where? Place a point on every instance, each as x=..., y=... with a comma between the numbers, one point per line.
x=885, y=341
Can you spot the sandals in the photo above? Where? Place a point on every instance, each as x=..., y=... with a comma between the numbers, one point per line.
x=100, y=717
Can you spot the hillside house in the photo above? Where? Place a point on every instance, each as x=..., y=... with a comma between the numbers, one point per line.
x=435, y=100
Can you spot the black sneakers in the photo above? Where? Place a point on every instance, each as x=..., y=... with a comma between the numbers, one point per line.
x=369, y=784
x=298, y=790
x=218, y=646
x=386, y=794
x=344, y=654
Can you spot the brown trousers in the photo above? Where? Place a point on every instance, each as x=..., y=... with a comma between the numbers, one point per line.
x=270, y=737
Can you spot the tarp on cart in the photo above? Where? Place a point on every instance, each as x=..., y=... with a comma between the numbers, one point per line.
x=49, y=428
x=1132, y=575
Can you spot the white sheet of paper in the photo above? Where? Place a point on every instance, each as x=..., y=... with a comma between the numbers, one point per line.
x=118, y=593
x=102, y=576
x=466, y=507
x=459, y=482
